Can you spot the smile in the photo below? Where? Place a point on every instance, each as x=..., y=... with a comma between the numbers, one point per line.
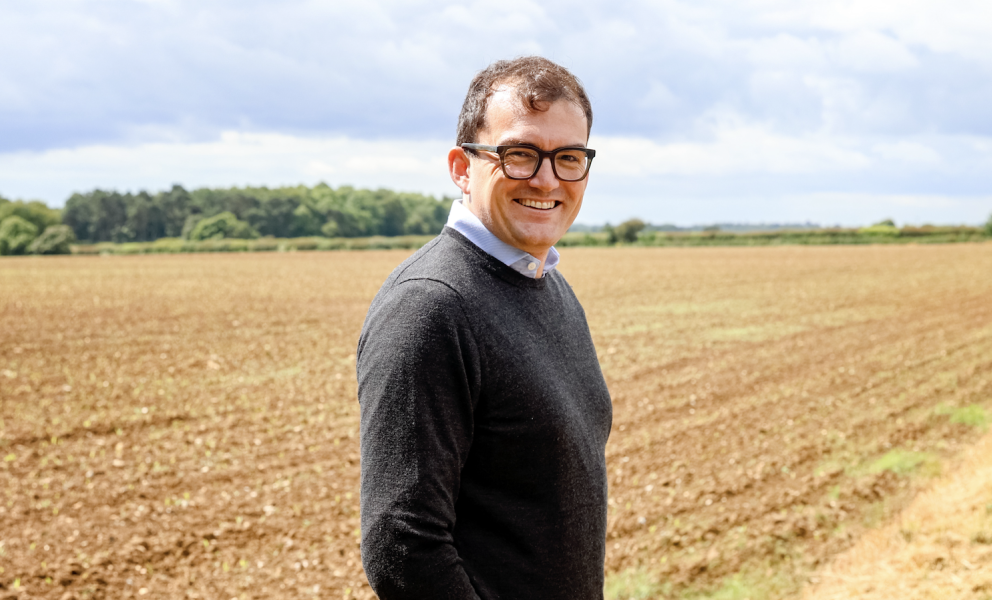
x=536, y=204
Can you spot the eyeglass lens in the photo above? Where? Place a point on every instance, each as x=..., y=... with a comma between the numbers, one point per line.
x=522, y=163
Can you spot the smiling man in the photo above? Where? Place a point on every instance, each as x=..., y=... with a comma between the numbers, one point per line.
x=484, y=413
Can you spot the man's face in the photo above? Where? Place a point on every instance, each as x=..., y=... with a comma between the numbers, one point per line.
x=531, y=214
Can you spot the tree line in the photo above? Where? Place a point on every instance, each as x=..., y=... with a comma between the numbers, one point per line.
x=287, y=212
x=108, y=216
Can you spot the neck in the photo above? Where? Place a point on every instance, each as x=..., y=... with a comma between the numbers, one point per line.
x=543, y=257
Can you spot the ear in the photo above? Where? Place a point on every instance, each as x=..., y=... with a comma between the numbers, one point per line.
x=459, y=168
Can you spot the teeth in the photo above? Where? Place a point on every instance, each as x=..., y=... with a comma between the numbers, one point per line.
x=536, y=204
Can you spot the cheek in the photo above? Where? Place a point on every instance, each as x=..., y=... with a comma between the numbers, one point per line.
x=496, y=186
x=505, y=190
x=576, y=193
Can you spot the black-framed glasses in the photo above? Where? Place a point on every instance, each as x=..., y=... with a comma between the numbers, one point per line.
x=523, y=161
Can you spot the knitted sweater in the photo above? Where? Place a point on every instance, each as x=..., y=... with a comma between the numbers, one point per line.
x=484, y=420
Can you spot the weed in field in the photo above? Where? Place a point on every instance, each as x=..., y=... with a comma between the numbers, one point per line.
x=973, y=416
x=747, y=585
x=631, y=584
x=905, y=462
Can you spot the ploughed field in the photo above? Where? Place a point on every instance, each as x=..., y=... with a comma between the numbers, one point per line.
x=186, y=425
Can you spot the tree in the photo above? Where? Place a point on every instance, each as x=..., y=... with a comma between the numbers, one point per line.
x=355, y=212
x=54, y=240
x=144, y=219
x=628, y=230
x=988, y=227
x=329, y=229
x=35, y=212
x=79, y=214
x=16, y=234
x=884, y=228
x=111, y=216
x=393, y=217
x=190, y=224
x=224, y=225
x=99, y=216
x=425, y=217
x=174, y=207
x=611, y=234
x=305, y=222
x=274, y=216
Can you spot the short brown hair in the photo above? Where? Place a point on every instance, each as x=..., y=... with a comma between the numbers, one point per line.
x=538, y=81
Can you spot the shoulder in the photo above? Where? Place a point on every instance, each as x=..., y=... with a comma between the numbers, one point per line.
x=432, y=261
x=411, y=327
x=417, y=305
x=418, y=297
x=422, y=281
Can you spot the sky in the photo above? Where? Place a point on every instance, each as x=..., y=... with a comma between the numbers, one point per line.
x=705, y=111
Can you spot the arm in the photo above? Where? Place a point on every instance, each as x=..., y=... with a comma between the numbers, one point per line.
x=417, y=369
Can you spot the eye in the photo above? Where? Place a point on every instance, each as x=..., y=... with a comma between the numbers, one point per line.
x=571, y=157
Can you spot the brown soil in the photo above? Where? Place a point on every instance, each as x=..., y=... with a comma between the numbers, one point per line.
x=186, y=426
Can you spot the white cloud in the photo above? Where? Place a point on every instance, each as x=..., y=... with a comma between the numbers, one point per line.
x=909, y=152
x=734, y=150
x=959, y=26
x=658, y=97
x=786, y=51
x=859, y=209
x=871, y=51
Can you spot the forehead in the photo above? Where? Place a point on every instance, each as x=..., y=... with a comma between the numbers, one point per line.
x=509, y=120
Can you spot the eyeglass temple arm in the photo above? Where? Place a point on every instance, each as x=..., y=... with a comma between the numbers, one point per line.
x=468, y=146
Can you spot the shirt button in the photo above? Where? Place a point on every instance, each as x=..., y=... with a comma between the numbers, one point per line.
x=531, y=266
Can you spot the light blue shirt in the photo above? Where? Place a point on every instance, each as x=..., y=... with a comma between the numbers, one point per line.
x=464, y=221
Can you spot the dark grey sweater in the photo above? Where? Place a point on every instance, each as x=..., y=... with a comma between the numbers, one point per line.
x=484, y=425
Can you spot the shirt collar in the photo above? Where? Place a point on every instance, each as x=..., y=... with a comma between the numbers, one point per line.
x=464, y=221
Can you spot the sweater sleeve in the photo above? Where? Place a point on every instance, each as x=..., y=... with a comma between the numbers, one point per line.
x=417, y=372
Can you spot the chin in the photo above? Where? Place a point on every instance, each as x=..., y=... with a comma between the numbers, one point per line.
x=540, y=239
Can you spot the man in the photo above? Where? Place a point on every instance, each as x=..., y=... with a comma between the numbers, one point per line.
x=484, y=413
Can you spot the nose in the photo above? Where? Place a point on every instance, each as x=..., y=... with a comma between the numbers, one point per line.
x=544, y=179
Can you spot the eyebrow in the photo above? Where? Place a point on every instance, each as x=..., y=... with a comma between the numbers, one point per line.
x=519, y=142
